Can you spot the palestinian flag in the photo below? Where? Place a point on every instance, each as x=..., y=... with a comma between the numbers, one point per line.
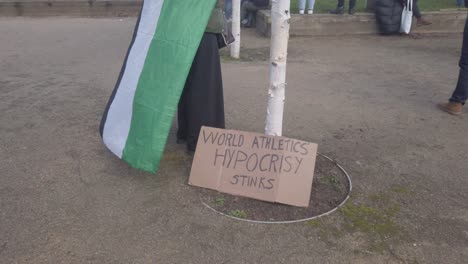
x=139, y=114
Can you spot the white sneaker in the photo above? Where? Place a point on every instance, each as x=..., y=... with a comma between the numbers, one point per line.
x=310, y=12
x=301, y=12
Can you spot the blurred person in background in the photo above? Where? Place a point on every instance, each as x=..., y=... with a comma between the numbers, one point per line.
x=340, y=8
x=249, y=9
x=459, y=96
x=310, y=6
x=420, y=21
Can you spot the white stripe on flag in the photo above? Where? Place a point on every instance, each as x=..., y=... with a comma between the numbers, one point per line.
x=119, y=116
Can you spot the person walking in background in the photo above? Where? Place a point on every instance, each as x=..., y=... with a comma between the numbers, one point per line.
x=420, y=21
x=302, y=6
x=340, y=7
x=455, y=104
x=248, y=10
x=228, y=9
x=460, y=3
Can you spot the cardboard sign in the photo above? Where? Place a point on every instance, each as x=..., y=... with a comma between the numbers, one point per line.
x=274, y=169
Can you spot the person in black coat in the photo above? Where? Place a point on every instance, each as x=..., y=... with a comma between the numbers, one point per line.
x=202, y=101
x=459, y=96
x=388, y=16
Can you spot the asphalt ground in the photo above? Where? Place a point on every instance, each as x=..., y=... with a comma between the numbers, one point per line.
x=368, y=101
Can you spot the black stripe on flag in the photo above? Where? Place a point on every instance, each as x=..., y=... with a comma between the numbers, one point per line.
x=111, y=99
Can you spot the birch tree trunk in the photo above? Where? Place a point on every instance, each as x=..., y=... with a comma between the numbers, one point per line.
x=235, y=47
x=280, y=16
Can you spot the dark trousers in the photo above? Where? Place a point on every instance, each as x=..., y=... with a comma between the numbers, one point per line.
x=352, y=3
x=461, y=91
x=416, y=11
x=201, y=102
x=247, y=8
x=249, y=11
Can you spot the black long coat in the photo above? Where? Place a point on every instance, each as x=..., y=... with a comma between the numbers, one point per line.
x=388, y=16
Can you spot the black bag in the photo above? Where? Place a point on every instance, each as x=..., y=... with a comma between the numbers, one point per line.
x=226, y=37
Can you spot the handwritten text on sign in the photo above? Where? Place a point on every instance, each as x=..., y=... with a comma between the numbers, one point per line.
x=275, y=169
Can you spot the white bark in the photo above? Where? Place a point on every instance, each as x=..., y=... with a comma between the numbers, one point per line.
x=280, y=16
x=235, y=47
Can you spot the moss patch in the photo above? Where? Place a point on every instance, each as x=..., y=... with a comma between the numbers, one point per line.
x=246, y=54
x=370, y=220
x=374, y=221
x=238, y=213
x=220, y=201
x=314, y=223
x=225, y=56
x=401, y=189
x=174, y=156
x=327, y=231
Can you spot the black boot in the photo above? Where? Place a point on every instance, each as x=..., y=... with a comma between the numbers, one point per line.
x=338, y=11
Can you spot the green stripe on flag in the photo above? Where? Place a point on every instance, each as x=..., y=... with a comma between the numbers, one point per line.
x=178, y=34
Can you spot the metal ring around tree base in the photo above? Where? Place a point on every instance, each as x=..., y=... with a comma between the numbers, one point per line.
x=299, y=220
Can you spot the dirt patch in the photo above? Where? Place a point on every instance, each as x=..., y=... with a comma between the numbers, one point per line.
x=247, y=54
x=329, y=189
